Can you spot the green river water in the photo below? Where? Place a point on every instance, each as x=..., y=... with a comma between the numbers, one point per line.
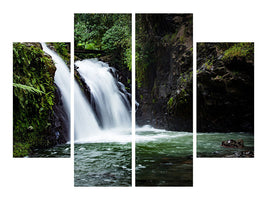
x=163, y=158
x=59, y=151
x=102, y=164
x=209, y=144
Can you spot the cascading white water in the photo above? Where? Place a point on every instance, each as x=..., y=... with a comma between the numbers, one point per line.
x=112, y=117
x=84, y=117
x=62, y=77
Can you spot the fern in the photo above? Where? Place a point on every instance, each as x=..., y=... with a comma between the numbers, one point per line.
x=27, y=88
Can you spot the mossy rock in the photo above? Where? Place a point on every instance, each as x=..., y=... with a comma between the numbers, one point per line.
x=21, y=149
x=33, y=71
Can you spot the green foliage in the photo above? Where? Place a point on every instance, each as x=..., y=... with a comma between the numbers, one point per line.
x=33, y=97
x=239, y=50
x=185, y=78
x=142, y=63
x=142, y=53
x=170, y=37
x=209, y=64
x=143, y=59
x=179, y=102
x=218, y=77
x=21, y=149
x=108, y=32
x=62, y=49
x=170, y=102
x=80, y=33
x=182, y=97
x=27, y=88
x=128, y=58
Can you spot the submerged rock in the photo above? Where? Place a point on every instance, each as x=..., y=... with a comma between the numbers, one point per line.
x=241, y=154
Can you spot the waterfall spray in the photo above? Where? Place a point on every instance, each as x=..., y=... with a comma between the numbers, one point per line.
x=62, y=80
x=111, y=108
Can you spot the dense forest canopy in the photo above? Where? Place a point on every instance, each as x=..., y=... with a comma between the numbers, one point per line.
x=110, y=33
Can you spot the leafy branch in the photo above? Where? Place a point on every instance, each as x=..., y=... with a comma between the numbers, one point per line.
x=27, y=88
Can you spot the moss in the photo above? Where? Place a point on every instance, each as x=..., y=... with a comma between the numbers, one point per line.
x=33, y=98
x=62, y=48
x=170, y=38
x=142, y=65
x=218, y=77
x=170, y=102
x=209, y=64
x=239, y=50
x=180, y=103
x=186, y=78
x=21, y=149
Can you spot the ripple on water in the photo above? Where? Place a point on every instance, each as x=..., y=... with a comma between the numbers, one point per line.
x=102, y=164
x=160, y=156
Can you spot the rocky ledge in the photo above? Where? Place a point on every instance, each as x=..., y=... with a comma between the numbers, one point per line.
x=225, y=87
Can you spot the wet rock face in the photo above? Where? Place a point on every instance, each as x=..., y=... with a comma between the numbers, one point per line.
x=61, y=121
x=225, y=91
x=165, y=96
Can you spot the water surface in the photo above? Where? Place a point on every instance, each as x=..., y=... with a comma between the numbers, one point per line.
x=59, y=151
x=102, y=164
x=164, y=158
x=209, y=144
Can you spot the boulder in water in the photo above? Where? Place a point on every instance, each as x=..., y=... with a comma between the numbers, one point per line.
x=233, y=143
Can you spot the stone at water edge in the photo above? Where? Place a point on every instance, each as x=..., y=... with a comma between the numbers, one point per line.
x=243, y=154
x=233, y=143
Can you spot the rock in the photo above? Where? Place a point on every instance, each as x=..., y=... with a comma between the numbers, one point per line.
x=35, y=44
x=241, y=154
x=240, y=143
x=248, y=154
x=167, y=73
x=233, y=144
x=61, y=120
x=225, y=91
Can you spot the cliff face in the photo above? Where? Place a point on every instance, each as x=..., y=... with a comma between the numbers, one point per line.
x=164, y=70
x=225, y=87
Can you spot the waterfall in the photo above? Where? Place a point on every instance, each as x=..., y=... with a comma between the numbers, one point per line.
x=62, y=80
x=84, y=117
x=62, y=77
x=108, y=113
x=107, y=116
